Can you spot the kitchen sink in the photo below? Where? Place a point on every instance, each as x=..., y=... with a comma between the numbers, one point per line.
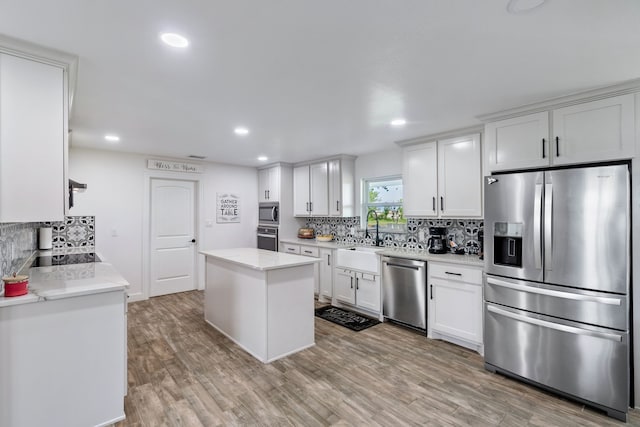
x=359, y=258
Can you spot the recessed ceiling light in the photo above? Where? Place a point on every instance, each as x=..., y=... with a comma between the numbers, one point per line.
x=398, y=122
x=174, y=40
x=263, y=158
x=517, y=7
x=112, y=138
x=241, y=131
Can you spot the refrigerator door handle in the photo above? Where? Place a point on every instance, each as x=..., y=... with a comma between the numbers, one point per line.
x=537, y=229
x=548, y=226
x=552, y=293
x=556, y=326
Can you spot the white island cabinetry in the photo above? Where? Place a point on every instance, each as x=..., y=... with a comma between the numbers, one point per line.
x=261, y=300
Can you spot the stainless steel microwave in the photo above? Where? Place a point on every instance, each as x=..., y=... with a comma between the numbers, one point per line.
x=268, y=213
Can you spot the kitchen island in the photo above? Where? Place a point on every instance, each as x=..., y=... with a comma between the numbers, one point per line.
x=261, y=300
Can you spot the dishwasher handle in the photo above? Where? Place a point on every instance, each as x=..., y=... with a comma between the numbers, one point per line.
x=401, y=266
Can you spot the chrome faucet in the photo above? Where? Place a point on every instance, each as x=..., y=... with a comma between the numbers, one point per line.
x=367, y=235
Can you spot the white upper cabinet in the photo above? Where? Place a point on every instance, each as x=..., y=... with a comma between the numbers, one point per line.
x=420, y=180
x=443, y=178
x=520, y=142
x=33, y=138
x=460, y=177
x=593, y=131
x=269, y=184
x=311, y=190
x=325, y=188
x=341, y=187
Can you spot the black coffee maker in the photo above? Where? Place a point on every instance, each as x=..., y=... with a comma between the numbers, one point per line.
x=437, y=241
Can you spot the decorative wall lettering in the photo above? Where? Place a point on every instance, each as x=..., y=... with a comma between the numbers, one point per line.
x=227, y=208
x=166, y=165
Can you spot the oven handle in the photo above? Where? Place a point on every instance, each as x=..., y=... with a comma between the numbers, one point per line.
x=270, y=236
x=556, y=326
x=552, y=293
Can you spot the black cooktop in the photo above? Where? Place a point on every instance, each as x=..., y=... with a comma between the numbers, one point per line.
x=83, y=258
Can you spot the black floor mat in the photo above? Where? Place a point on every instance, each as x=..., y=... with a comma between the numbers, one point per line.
x=345, y=318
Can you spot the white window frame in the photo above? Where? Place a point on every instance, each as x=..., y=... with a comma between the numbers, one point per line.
x=366, y=206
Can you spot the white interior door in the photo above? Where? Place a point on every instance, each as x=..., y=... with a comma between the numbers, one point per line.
x=172, y=237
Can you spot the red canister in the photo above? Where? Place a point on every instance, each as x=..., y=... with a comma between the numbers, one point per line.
x=15, y=285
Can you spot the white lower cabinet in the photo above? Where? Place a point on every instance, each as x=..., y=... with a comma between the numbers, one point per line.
x=359, y=289
x=455, y=304
x=326, y=274
x=63, y=361
x=323, y=284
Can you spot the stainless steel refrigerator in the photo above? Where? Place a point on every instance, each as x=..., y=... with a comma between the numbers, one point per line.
x=556, y=292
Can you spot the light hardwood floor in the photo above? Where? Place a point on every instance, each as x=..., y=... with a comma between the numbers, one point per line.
x=182, y=372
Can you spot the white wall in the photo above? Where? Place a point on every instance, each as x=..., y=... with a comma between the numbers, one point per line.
x=115, y=195
x=376, y=165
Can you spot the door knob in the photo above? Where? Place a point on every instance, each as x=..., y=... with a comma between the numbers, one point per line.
x=193, y=240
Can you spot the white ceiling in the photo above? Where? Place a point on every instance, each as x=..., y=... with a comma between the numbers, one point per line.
x=312, y=78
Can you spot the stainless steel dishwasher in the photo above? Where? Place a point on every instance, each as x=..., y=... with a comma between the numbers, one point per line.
x=404, y=291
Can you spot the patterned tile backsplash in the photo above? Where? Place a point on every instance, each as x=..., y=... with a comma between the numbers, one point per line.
x=73, y=232
x=463, y=232
x=18, y=241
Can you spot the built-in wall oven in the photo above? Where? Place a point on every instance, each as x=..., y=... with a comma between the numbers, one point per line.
x=268, y=213
x=268, y=238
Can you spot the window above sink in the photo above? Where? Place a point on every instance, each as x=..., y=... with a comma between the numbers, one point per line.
x=384, y=195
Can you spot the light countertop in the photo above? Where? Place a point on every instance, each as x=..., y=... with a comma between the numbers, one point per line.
x=423, y=255
x=417, y=254
x=66, y=281
x=313, y=242
x=259, y=259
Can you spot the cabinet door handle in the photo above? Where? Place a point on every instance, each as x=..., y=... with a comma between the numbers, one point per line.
x=351, y=282
x=453, y=274
x=265, y=195
x=337, y=205
x=557, y=146
x=441, y=204
x=431, y=291
x=269, y=194
x=329, y=259
x=357, y=286
x=543, y=153
x=310, y=206
x=434, y=203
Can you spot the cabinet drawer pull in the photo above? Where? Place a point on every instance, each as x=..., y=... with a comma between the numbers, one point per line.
x=453, y=274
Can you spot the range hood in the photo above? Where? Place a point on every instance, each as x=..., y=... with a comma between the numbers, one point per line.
x=74, y=187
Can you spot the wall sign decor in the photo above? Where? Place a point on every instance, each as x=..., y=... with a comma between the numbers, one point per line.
x=228, y=208
x=166, y=165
